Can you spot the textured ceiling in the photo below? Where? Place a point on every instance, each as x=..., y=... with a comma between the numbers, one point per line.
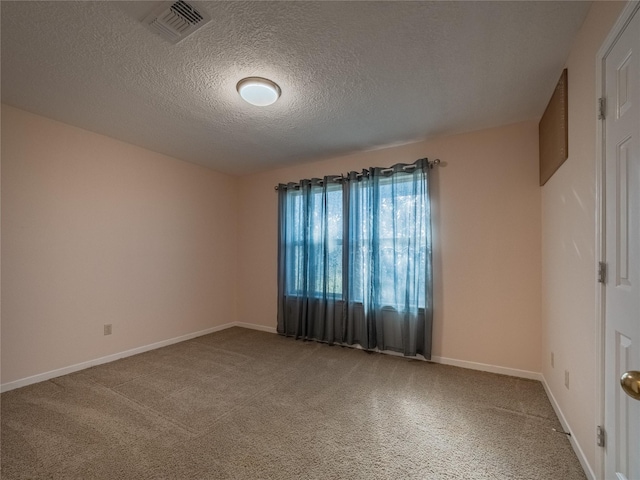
x=354, y=75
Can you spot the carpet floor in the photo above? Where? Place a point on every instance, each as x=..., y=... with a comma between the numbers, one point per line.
x=243, y=404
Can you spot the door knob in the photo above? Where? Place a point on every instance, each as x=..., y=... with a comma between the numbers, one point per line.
x=630, y=382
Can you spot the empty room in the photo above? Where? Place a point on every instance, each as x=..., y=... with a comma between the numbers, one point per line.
x=320, y=240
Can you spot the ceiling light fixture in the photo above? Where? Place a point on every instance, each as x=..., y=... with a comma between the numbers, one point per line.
x=258, y=91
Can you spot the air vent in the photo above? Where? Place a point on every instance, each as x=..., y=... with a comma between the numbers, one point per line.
x=174, y=21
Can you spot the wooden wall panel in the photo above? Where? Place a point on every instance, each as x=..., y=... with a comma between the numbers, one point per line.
x=554, y=131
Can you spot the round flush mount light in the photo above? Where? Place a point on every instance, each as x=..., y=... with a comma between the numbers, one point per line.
x=258, y=91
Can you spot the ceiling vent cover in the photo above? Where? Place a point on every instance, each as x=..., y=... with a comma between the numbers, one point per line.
x=174, y=21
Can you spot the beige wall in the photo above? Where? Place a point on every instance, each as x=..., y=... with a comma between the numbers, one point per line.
x=568, y=243
x=487, y=233
x=97, y=231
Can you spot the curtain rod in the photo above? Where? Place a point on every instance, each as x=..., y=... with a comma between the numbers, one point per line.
x=431, y=163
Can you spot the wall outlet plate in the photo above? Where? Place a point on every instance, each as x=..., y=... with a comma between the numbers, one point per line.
x=107, y=329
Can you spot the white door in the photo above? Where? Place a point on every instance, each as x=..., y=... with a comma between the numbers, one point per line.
x=622, y=250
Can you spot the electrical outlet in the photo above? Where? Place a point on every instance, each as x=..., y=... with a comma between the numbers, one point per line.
x=553, y=362
x=566, y=378
x=107, y=329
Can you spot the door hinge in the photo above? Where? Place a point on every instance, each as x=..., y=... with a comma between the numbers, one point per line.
x=602, y=272
x=600, y=436
x=602, y=108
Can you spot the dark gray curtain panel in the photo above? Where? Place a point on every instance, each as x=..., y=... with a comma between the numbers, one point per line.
x=354, y=259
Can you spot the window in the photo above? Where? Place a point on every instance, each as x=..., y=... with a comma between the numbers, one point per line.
x=314, y=242
x=387, y=240
x=387, y=245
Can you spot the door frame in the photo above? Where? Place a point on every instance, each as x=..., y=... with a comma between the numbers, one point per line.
x=621, y=23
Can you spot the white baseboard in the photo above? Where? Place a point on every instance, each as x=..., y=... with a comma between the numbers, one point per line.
x=41, y=377
x=512, y=372
x=253, y=326
x=572, y=439
x=484, y=367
